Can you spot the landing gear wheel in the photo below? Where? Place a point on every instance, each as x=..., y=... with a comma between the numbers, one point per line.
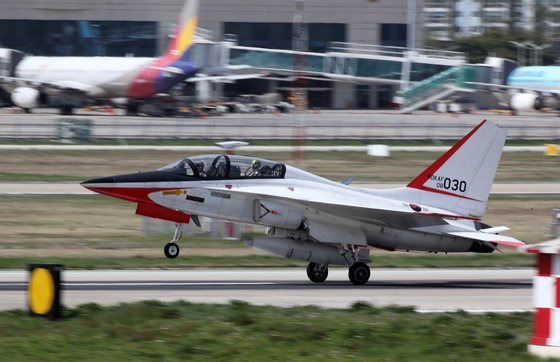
x=359, y=273
x=171, y=250
x=66, y=110
x=317, y=273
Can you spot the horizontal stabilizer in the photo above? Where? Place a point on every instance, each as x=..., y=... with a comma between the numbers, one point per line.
x=494, y=230
x=491, y=238
x=224, y=78
x=170, y=70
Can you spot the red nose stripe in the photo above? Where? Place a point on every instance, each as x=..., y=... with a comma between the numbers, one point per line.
x=134, y=194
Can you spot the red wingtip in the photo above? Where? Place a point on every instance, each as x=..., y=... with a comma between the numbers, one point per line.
x=508, y=243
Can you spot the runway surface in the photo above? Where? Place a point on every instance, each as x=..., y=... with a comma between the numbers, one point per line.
x=428, y=290
x=51, y=188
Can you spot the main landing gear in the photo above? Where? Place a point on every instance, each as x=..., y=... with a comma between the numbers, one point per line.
x=317, y=273
x=171, y=249
x=353, y=256
x=358, y=273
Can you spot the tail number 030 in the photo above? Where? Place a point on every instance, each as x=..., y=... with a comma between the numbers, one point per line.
x=452, y=184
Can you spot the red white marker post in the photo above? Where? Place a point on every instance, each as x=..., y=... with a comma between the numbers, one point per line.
x=545, y=341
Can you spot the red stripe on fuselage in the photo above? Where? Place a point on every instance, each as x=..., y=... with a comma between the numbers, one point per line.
x=133, y=194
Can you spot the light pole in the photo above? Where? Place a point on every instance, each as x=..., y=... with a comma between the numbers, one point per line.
x=300, y=44
x=411, y=24
x=536, y=48
x=521, y=51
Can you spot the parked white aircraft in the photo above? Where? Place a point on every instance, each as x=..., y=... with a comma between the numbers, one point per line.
x=529, y=88
x=105, y=77
x=325, y=222
x=534, y=87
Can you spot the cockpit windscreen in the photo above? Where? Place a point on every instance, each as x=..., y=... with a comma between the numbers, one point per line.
x=226, y=167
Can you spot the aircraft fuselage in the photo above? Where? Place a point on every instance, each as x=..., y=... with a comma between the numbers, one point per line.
x=218, y=199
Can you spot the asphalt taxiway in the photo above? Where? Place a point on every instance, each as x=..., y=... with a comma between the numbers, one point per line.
x=428, y=290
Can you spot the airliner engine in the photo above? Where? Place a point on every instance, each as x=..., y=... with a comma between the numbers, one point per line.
x=26, y=97
x=526, y=102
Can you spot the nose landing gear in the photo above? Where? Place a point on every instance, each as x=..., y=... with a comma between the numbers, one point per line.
x=171, y=249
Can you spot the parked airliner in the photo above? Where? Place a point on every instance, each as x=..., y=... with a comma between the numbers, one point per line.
x=105, y=77
x=534, y=87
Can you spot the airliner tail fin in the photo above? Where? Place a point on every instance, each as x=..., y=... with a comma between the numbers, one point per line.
x=184, y=37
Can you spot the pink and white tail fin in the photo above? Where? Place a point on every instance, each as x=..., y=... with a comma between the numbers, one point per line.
x=461, y=179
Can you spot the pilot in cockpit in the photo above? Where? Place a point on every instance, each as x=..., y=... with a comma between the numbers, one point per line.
x=254, y=169
x=200, y=168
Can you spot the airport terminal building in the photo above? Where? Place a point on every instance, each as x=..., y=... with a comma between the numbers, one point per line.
x=142, y=28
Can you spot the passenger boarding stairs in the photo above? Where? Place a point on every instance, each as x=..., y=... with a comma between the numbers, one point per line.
x=436, y=87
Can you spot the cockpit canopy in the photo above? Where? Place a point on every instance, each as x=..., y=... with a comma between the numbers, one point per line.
x=216, y=167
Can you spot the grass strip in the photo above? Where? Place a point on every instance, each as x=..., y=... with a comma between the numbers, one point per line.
x=509, y=260
x=238, y=331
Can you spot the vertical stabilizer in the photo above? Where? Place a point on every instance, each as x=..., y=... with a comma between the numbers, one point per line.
x=174, y=66
x=184, y=36
x=461, y=179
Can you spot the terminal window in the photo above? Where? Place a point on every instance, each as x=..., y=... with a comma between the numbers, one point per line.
x=279, y=35
x=393, y=35
x=80, y=38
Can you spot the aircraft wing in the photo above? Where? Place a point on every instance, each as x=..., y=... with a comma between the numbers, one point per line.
x=67, y=86
x=395, y=216
x=402, y=219
x=169, y=70
x=398, y=215
x=224, y=78
x=488, y=238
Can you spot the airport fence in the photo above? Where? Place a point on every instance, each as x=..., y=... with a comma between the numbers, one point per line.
x=272, y=127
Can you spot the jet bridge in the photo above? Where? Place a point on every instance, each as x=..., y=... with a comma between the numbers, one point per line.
x=342, y=62
x=9, y=59
x=358, y=63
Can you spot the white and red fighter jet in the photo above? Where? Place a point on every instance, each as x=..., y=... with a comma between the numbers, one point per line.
x=322, y=221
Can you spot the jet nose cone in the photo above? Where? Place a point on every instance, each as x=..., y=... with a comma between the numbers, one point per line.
x=99, y=180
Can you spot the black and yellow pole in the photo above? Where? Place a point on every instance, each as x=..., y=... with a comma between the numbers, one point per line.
x=43, y=291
